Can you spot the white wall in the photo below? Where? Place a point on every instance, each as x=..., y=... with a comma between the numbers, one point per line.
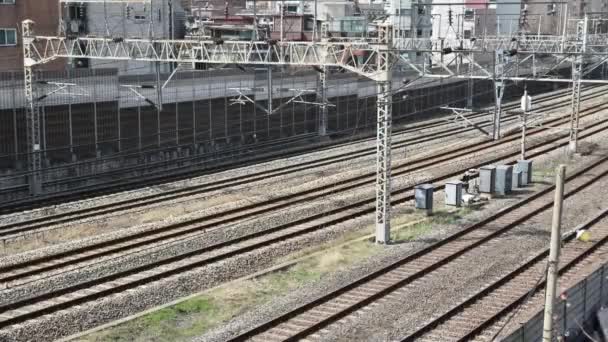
x=136, y=25
x=441, y=27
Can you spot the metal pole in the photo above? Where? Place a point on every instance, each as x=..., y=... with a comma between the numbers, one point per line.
x=282, y=17
x=383, y=152
x=577, y=70
x=255, y=22
x=118, y=119
x=15, y=130
x=270, y=90
x=471, y=82
x=322, y=96
x=32, y=112
x=499, y=92
x=552, y=272
x=139, y=138
x=524, y=125
x=322, y=92
x=314, y=29
x=159, y=99
x=192, y=85
x=95, y=125
x=177, y=129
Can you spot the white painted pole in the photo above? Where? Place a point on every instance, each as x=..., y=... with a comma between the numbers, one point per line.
x=524, y=124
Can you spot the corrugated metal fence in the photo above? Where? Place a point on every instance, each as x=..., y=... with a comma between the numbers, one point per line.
x=581, y=304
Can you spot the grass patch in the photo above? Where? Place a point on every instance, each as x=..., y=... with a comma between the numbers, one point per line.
x=411, y=233
x=546, y=171
x=196, y=316
x=439, y=217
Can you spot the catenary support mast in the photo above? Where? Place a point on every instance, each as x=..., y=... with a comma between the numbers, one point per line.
x=32, y=113
x=577, y=70
x=383, y=143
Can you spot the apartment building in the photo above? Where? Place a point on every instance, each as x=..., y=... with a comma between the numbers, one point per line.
x=155, y=19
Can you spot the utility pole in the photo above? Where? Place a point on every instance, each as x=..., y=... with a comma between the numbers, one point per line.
x=553, y=269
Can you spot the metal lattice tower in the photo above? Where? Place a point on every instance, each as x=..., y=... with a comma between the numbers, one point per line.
x=32, y=112
x=577, y=71
x=322, y=87
x=383, y=143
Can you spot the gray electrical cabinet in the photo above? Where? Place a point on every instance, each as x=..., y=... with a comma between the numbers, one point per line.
x=525, y=166
x=517, y=179
x=453, y=193
x=424, y=196
x=487, y=175
x=504, y=177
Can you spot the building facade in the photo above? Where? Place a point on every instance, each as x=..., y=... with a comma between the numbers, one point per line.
x=44, y=13
x=154, y=20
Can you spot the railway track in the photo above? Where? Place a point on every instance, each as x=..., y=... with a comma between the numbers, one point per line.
x=172, y=234
x=25, y=309
x=13, y=229
x=118, y=185
x=468, y=320
x=28, y=271
x=306, y=321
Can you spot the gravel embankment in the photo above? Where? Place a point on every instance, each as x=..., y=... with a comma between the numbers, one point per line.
x=396, y=317
x=104, y=223
x=89, y=315
x=196, y=241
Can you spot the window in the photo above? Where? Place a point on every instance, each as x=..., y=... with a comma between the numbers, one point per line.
x=140, y=17
x=467, y=34
x=469, y=14
x=8, y=37
x=77, y=12
x=7, y=2
x=292, y=8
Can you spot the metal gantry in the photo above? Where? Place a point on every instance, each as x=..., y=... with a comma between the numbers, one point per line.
x=371, y=57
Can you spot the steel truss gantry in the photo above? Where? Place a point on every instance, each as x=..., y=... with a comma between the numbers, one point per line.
x=376, y=65
x=370, y=57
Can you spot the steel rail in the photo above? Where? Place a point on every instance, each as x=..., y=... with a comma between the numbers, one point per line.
x=23, y=310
